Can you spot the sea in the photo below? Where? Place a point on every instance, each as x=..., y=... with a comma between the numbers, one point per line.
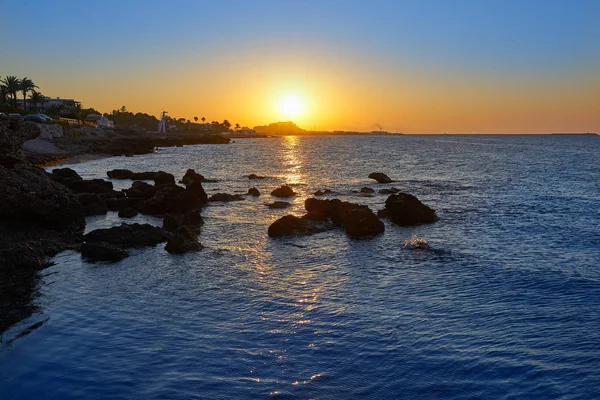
x=502, y=303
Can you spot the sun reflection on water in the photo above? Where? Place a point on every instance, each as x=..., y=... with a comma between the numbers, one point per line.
x=291, y=161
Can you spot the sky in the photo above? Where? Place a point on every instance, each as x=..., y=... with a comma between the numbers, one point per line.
x=422, y=66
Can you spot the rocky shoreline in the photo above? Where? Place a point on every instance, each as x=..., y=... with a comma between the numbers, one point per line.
x=44, y=213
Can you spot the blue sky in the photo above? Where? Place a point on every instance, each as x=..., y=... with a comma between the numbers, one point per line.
x=457, y=40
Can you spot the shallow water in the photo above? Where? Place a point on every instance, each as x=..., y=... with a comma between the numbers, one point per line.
x=503, y=303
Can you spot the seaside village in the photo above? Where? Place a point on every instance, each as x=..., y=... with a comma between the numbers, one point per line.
x=21, y=101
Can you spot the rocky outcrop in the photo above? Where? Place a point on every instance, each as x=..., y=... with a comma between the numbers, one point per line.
x=128, y=213
x=226, y=197
x=184, y=240
x=192, y=176
x=102, y=251
x=50, y=131
x=140, y=190
x=127, y=174
x=323, y=192
x=129, y=235
x=391, y=190
x=283, y=191
x=380, y=177
x=405, y=209
x=367, y=190
x=174, y=199
x=356, y=220
x=253, y=192
x=12, y=138
x=290, y=225
x=92, y=204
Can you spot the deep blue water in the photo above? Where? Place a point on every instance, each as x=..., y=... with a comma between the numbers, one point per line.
x=504, y=305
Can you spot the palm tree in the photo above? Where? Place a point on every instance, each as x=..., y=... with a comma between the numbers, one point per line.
x=35, y=98
x=237, y=127
x=79, y=112
x=203, y=119
x=25, y=86
x=12, y=84
x=195, y=119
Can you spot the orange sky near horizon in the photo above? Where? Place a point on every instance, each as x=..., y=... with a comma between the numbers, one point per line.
x=483, y=67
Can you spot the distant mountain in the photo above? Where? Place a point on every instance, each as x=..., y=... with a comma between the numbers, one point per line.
x=280, y=128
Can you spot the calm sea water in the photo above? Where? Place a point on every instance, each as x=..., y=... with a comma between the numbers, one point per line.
x=504, y=305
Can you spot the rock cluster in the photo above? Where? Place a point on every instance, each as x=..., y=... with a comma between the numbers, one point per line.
x=406, y=210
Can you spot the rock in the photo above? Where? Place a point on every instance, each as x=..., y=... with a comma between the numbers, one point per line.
x=66, y=173
x=357, y=220
x=253, y=192
x=292, y=225
x=13, y=138
x=315, y=216
x=92, y=204
x=283, y=191
x=28, y=196
x=142, y=176
x=79, y=185
x=367, y=190
x=172, y=223
x=193, y=218
x=405, y=209
x=120, y=174
x=163, y=178
x=192, y=176
x=279, y=204
x=102, y=251
x=226, y=197
x=40, y=146
x=254, y=176
x=380, y=177
x=140, y=190
x=127, y=213
x=118, y=204
x=321, y=193
x=113, y=194
x=174, y=199
x=129, y=235
x=391, y=190
x=50, y=131
x=179, y=244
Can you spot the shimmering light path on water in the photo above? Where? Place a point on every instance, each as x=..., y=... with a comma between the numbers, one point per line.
x=505, y=304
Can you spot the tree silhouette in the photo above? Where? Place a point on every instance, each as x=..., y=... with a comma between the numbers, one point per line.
x=203, y=119
x=195, y=119
x=12, y=84
x=237, y=126
x=226, y=124
x=34, y=99
x=25, y=86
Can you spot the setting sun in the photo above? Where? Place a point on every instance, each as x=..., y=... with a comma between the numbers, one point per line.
x=291, y=106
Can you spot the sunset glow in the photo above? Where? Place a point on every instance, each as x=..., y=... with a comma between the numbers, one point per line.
x=291, y=106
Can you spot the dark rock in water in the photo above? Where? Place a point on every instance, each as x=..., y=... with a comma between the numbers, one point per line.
x=140, y=190
x=163, y=178
x=92, y=204
x=380, y=177
x=357, y=220
x=226, y=197
x=79, y=185
x=321, y=193
x=27, y=196
x=384, y=213
x=102, y=251
x=405, y=209
x=254, y=176
x=254, y=192
x=113, y=194
x=66, y=173
x=367, y=190
x=391, y=190
x=279, y=204
x=172, y=223
x=283, y=191
x=127, y=174
x=174, y=199
x=178, y=244
x=127, y=213
x=129, y=235
x=118, y=204
x=291, y=225
x=315, y=216
x=192, y=176
x=193, y=218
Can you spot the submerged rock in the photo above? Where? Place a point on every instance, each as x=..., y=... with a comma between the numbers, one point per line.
x=367, y=190
x=279, y=204
x=102, y=251
x=226, y=197
x=380, y=177
x=253, y=192
x=129, y=235
x=391, y=190
x=405, y=209
x=283, y=191
x=321, y=193
x=254, y=176
x=292, y=225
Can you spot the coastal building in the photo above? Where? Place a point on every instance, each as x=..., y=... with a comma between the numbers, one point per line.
x=47, y=102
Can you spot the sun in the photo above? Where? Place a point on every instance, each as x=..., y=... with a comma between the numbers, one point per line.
x=291, y=106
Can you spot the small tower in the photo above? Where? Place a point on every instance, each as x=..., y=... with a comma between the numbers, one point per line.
x=162, y=125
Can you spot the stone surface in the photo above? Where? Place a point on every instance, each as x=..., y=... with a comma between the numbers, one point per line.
x=226, y=197
x=253, y=192
x=380, y=177
x=283, y=191
x=405, y=209
x=129, y=235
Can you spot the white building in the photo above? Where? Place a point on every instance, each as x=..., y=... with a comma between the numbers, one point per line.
x=47, y=102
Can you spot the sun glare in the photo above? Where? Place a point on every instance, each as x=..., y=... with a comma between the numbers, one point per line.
x=291, y=106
